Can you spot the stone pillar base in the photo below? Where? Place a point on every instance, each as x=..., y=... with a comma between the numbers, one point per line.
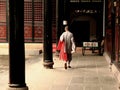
x=17, y=88
x=48, y=65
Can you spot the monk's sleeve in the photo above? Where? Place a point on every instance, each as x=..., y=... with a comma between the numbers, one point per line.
x=61, y=37
x=73, y=44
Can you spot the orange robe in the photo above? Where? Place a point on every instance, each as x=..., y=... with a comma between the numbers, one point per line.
x=62, y=54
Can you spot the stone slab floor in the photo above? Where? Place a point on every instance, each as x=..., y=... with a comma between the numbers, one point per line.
x=89, y=72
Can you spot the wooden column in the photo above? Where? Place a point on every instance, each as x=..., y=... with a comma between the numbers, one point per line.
x=59, y=18
x=48, y=58
x=113, y=32
x=116, y=4
x=33, y=15
x=66, y=14
x=16, y=46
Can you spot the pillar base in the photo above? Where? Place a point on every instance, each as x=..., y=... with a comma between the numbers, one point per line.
x=48, y=65
x=17, y=88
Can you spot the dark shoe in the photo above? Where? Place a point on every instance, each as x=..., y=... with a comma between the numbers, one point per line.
x=69, y=66
x=65, y=66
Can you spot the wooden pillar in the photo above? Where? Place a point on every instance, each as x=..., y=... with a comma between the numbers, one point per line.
x=116, y=43
x=16, y=46
x=33, y=15
x=48, y=58
x=113, y=32
x=116, y=4
x=59, y=21
x=62, y=15
x=59, y=18
x=66, y=12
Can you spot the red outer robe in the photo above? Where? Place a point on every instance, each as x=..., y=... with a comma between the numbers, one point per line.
x=62, y=55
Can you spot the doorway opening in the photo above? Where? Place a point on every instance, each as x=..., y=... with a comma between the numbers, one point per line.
x=81, y=31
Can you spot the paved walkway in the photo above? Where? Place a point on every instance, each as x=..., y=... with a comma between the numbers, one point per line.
x=89, y=72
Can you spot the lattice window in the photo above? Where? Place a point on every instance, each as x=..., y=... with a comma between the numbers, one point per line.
x=27, y=11
x=38, y=11
x=54, y=12
x=2, y=11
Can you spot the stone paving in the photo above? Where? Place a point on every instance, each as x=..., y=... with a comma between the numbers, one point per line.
x=89, y=72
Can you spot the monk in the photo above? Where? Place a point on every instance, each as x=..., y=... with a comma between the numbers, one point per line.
x=66, y=45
